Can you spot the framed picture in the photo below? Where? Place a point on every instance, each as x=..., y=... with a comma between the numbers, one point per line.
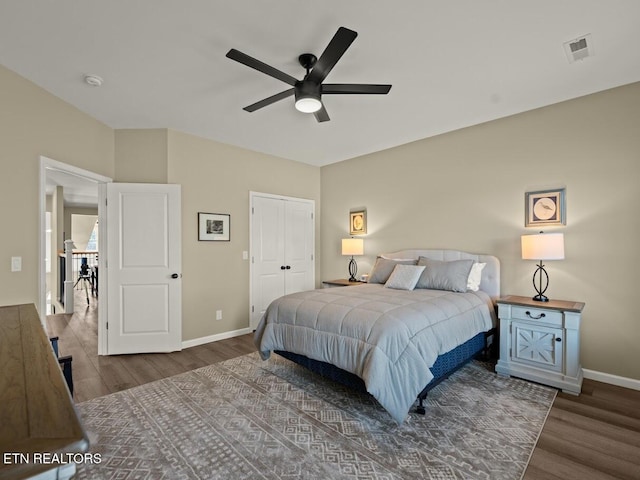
x=358, y=222
x=214, y=227
x=545, y=207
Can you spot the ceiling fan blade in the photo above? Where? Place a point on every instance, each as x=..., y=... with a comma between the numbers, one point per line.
x=334, y=51
x=355, y=88
x=322, y=115
x=245, y=59
x=269, y=100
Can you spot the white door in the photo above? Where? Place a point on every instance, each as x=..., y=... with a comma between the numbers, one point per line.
x=282, y=249
x=267, y=254
x=144, y=286
x=299, y=244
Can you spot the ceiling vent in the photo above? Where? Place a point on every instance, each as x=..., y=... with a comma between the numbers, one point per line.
x=579, y=48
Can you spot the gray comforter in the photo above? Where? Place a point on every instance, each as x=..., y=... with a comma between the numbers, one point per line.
x=387, y=337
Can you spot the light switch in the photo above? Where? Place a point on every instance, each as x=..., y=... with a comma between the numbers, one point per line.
x=16, y=264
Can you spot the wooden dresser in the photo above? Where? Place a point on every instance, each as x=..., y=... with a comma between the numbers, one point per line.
x=38, y=420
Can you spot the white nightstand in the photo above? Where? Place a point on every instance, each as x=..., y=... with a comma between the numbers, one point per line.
x=540, y=341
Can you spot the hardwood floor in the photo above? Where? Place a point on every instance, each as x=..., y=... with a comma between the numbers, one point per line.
x=595, y=435
x=94, y=375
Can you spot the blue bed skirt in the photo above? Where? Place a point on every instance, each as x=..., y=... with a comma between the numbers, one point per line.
x=444, y=365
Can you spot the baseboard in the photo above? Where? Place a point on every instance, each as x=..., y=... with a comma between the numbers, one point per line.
x=214, y=338
x=611, y=379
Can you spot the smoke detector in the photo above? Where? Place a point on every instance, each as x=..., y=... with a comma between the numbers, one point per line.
x=579, y=48
x=93, y=80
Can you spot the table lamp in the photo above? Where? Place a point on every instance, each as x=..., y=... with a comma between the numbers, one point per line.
x=542, y=246
x=352, y=246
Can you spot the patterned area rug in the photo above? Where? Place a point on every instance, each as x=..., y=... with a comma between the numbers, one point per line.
x=249, y=419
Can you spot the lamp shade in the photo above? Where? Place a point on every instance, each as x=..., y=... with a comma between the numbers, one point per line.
x=543, y=246
x=352, y=246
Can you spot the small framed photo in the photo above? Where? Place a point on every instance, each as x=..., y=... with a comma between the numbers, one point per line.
x=214, y=227
x=358, y=222
x=545, y=207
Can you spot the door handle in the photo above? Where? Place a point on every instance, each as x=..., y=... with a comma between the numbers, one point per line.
x=175, y=275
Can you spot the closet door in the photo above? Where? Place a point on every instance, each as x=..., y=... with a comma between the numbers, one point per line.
x=282, y=249
x=299, y=244
x=267, y=254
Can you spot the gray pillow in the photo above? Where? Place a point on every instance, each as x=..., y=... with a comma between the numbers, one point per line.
x=404, y=277
x=383, y=267
x=440, y=275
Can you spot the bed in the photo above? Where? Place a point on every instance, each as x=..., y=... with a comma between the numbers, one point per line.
x=391, y=337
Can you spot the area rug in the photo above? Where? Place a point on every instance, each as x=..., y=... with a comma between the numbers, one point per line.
x=249, y=419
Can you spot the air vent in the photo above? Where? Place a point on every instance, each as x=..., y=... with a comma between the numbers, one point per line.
x=579, y=48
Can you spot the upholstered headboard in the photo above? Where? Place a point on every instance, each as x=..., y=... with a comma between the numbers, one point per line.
x=490, y=282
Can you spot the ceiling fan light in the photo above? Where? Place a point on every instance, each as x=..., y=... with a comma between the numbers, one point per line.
x=308, y=104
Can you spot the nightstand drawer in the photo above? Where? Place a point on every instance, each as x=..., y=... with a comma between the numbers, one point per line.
x=541, y=315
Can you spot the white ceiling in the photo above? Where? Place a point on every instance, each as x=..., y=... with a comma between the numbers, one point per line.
x=77, y=191
x=452, y=64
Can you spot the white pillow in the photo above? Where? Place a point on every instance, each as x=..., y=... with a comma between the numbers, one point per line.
x=404, y=277
x=475, y=276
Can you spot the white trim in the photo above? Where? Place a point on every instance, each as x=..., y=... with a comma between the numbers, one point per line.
x=103, y=271
x=214, y=338
x=625, y=382
x=279, y=197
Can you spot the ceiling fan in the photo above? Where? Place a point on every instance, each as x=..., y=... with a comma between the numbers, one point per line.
x=308, y=91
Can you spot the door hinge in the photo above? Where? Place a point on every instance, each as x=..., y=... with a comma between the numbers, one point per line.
x=107, y=325
x=312, y=256
x=253, y=210
x=253, y=309
x=312, y=216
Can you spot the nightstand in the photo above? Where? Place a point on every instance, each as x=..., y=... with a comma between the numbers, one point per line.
x=341, y=282
x=540, y=341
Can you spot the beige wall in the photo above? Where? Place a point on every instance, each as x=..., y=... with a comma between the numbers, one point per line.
x=461, y=190
x=141, y=155
x=33, y=123
x=465, y=190
x=217, y=178
x=80, y=228
x=214, y=177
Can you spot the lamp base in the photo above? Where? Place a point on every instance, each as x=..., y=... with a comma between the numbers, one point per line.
x=540, y=298
x=353, y=270
x=540, y=271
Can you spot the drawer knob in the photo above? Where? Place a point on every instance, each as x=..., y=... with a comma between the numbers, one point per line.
x=528, y=313
x=558, y=339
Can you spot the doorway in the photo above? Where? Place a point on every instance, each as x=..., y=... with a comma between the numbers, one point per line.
x=71, y=189
x=144, y=235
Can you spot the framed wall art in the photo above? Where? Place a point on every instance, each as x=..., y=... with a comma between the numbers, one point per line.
x=358, y=222
x=214, y=227
x=545, y=207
